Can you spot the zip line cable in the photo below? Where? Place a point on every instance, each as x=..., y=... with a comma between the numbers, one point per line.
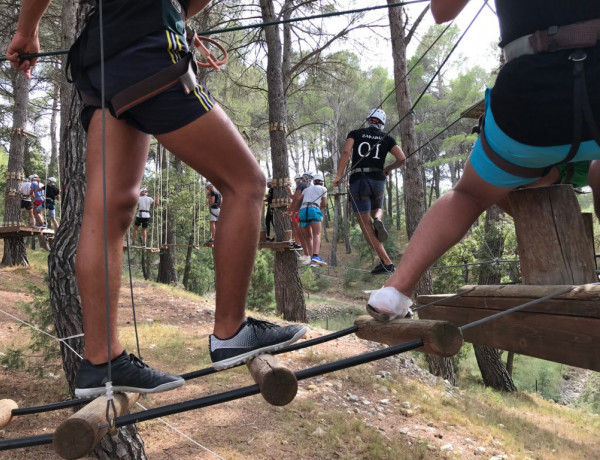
x=253, y=26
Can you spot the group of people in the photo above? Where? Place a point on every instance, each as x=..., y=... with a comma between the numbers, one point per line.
x=35, y=197
x=534, y=119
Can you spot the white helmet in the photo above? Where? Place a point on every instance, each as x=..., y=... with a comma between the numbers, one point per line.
x=143, y=190
x=319, y=178
x=298, y=177
x=52, y=179
x=378, y=114
x=307, y=175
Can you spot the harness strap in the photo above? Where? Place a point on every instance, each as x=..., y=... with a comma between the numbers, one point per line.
x=365, y=170
x=182, y=72
x=572, y=36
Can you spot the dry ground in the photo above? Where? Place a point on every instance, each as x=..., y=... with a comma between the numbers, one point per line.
x=360, y=413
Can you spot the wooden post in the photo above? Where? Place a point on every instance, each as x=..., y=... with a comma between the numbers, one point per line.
x=77, y=435
x=554, y=246
x=440, y=338
x=278, y=384
x=6, y=407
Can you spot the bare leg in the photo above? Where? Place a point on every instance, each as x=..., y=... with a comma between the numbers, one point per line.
x=364, y=221
x=444, y=225
x=213, y=229
x=213, y=147
x=316, y=237
x=307, y=232
x=594, y=183
x=126, y=152
x=144, y=235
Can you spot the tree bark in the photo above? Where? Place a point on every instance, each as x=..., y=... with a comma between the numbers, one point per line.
x=288, y=286
x=493, y=371
x=414, y=175
x=64, y=295
x=14, y=247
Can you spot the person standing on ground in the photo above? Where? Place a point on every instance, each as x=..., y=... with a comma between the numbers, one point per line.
x=215, y=200
x=52, y=195
x=368, y=148
x=186, y=120
x=143, y=216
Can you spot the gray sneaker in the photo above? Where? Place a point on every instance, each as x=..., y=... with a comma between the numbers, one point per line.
x=253, y=338
x=128, y=373
x=380, y=231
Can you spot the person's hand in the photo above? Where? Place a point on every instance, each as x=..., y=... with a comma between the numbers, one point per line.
x=336, y=182
x=386, y=172
x=22, y=44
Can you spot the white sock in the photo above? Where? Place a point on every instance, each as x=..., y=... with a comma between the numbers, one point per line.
x=390, y=301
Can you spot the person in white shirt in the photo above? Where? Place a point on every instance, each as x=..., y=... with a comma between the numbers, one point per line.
x=314, y=199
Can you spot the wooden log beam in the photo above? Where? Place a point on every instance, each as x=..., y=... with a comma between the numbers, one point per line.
x=565, y=329
x=440, y=338
x=278, y=384
x=6, y=408
x=77, y=435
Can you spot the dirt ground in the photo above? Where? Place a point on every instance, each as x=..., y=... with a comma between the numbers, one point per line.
x=248, y=428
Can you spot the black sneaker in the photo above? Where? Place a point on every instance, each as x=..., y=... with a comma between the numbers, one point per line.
x=128, y=373
x=382, y=269
x=253, y=338
x=380, y=231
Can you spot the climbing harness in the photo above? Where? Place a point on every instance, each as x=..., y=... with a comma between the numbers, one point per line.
x=573, y=36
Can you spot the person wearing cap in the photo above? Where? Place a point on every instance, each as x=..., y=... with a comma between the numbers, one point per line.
x=52, y=194
x=37, y=193
x=26, y=202
x=368, y=147
x=269, y=213
x=314, y=200
x=214, y=199
x=143, y=216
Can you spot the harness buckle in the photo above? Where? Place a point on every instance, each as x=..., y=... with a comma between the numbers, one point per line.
x=578, y=56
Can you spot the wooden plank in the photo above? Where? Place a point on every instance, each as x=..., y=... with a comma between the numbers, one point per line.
x=554, y=246
x=568, y=340
x=440, y=338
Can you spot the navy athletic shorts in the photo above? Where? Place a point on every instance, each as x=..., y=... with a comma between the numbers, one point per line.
x=366, y=194
x=168, y=111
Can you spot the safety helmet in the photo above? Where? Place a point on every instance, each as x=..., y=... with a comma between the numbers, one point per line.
x=143, y=190
x=35, y=176
x=319, y=178
x=298, y=177
x=377, y=114
x=307, y=175
x=52, y=179
x=208, y=184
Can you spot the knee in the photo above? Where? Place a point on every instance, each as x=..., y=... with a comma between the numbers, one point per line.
x=122, y=208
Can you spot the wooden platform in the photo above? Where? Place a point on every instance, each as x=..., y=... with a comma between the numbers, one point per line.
x=475, y=111
x=565, y=329
x=22, y=231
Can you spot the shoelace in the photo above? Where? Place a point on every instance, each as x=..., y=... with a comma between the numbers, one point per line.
x=137, y=361
x=260, y=323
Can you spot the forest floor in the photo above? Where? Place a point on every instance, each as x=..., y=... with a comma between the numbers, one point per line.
x=390, y=409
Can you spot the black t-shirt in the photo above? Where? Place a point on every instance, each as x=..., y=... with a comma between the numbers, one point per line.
x=270, y=198
x=52, y=192
x=127, y=21
x=532, y=99
x=371, y=146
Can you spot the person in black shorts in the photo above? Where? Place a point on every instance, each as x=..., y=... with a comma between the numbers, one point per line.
x=142, y=218
x=368, y=148
x=143, y=38
x=52, y=196
x=26, y=197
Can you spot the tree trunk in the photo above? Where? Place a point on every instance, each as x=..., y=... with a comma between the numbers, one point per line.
x=14, y=247
x=493, y=371
x=288, y=287
x=414, y=177
x=167, y=274
x=64, y=295
x=53, y=166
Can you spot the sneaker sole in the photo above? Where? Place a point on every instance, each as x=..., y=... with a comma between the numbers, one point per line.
x=380, y=231
x=245, y=357
x=99, y=391
x=322, y=263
